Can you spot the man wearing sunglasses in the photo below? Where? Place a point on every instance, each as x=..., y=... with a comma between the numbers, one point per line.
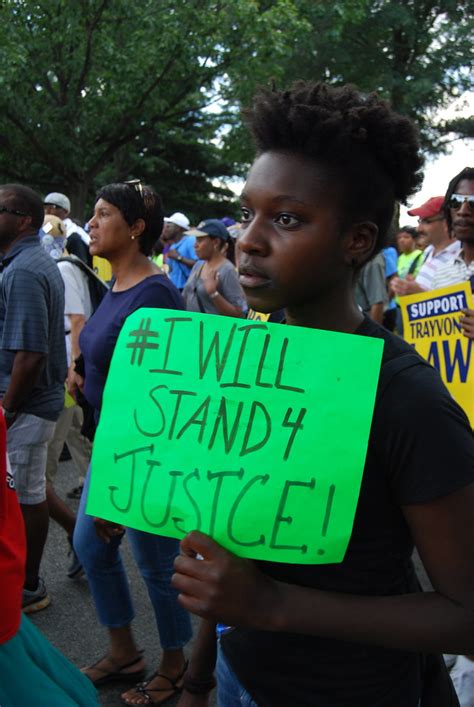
x=459, y=211
x=441, y=249
x=32, y=366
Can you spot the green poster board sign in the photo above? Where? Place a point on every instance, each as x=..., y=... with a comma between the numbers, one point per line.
x=254, y=433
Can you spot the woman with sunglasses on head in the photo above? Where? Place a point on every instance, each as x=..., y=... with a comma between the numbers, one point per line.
x=213, y=285
x=127, y=221
x=317, y=205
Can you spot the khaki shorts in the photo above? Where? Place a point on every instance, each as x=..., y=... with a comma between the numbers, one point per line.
x=27, y=447
x=68, y=429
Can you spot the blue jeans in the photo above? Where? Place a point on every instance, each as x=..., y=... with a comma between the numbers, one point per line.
x=154, y=555
x=230, y=693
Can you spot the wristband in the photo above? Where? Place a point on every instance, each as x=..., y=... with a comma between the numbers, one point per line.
x=213, y=295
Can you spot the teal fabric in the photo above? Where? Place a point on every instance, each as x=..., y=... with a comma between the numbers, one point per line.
x=33, y=672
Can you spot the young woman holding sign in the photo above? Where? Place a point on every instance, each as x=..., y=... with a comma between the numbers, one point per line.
x=317, y=205
x=127, y=220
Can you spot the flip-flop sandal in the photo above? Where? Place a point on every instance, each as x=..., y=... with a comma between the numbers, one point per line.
x=116, y=674
x=174, y=688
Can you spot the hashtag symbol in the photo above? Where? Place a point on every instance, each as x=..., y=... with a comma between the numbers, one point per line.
x=141, y=341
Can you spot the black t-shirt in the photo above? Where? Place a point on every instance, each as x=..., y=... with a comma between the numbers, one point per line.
x=420, y=448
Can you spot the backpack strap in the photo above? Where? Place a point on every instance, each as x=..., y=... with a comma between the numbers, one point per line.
x=83, y=266
x=414, y=263
x=196, y=292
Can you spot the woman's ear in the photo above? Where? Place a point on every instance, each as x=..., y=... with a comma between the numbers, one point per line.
x=137, y=228
x=360, y=242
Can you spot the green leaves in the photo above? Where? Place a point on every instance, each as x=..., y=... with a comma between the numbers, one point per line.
x=84, y=81
x=412, y=53
x=99, y=90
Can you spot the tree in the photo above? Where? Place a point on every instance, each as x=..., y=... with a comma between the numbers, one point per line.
x=183, y=164
x=89, y=85
x=461, y=127
x=415, y=53
x=102, y=90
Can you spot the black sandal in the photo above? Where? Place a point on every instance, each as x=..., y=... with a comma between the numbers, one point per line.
x=174, y=688
x=116, y=674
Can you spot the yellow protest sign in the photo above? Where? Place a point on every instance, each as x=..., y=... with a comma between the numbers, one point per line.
x=258, y=316
x=431, y=324
x=102, y=268
x=252, y=432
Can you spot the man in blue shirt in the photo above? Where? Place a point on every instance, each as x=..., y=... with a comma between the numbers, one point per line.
x=179, y=251
x=32, y=366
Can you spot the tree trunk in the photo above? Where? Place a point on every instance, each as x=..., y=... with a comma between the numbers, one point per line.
x=78, y=192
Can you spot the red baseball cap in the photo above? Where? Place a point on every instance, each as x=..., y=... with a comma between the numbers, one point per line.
x=432, y=207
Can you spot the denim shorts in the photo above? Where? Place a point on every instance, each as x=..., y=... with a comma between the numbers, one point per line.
x=230, y=692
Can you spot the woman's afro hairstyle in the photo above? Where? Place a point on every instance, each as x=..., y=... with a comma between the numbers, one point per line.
x=135, y=201
x=357, y=137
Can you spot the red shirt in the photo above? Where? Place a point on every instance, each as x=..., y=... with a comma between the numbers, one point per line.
x=12, y=548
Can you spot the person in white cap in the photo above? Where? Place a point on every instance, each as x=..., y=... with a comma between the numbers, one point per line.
x=59, y=205
x=179, y=249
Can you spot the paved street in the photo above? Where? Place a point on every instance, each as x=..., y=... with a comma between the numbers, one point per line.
x=70, y=623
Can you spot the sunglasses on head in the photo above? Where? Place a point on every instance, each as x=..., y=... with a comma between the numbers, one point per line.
x=15, y=212
x=457, y=200
x=137, y=185
x=144, y=193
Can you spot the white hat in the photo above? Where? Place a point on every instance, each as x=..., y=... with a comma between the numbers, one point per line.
x=57, y=199
x=178, y=219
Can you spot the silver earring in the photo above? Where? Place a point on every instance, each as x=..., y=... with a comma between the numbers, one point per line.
x=132, y=237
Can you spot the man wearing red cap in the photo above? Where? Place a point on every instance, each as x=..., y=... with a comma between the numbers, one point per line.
x=441, y=249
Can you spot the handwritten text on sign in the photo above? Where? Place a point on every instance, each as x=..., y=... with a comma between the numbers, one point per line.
x=254, y=433
x=431, y=324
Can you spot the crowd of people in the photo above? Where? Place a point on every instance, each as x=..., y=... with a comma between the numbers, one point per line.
x=435, y=254
x=316, y=246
